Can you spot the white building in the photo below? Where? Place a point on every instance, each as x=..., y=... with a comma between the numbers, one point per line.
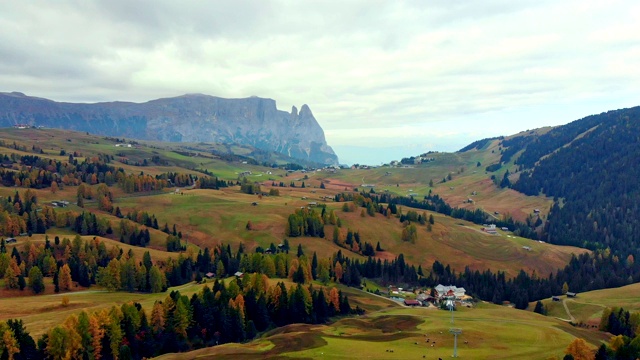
x=451, y=290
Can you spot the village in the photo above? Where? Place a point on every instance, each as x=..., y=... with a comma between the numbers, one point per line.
x=439, y=297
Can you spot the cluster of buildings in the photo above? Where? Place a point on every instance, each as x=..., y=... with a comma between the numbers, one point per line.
x=441, y=293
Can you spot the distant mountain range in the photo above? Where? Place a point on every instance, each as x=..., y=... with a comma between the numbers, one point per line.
x=251, y=121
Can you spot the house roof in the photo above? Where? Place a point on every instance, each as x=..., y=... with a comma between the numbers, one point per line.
x=411, y=302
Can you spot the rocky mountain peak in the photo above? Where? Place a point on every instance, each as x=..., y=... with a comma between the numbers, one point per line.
x=250, y=121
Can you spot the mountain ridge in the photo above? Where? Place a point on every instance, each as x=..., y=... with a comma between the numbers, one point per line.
x=251, y=121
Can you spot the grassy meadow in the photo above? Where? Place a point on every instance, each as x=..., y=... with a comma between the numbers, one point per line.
x=587, y=307
x=488, y=331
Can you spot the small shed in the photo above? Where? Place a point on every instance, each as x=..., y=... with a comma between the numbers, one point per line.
x=571, y=294
x=555, y=298
x=10, y=241
x=209, y=275
x=238, y=274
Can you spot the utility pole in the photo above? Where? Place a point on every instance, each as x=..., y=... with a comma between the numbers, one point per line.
x=455, y=333
x=451, y=305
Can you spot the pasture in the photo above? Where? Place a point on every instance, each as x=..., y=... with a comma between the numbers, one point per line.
x=412, y=333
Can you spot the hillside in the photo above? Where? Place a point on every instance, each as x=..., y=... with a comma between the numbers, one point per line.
x=189, y=118
x=198, y=210
x=209, y=217
x=399, y=332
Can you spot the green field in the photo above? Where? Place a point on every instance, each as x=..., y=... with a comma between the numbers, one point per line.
x=209, y=217
x=587, y=307
x=488, y=331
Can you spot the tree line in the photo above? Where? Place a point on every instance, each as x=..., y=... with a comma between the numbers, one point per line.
x=216, y=315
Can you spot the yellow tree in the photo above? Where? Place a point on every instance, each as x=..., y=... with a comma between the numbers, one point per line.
x=8, y=343
x=65, y=277
x=338, y=270
x=54, y=187
x=293, y=267
x=579, y=350
x=10, y=279
x=157, y=317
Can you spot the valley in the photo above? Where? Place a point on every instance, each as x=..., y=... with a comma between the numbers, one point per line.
x=205, y=215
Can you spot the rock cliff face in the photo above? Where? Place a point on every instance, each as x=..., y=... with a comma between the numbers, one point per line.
x=189, y=118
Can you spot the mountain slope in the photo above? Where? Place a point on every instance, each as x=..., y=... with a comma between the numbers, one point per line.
x=593, y=175
x=189, y=118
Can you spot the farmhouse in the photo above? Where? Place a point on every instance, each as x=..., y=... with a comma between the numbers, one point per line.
x=555, y=298
x=6, y=164
x=528, y=248
x=425, y=298
x=451, y=290
x=238, y=274
x=504, y=228
x=209, y=275
x=571, y=294
x=409, y=302
x=491, y=229
x=10, y=240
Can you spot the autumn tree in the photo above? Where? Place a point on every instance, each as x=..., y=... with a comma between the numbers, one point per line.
x=9, y=345
x=334, y=299
x=109, y=277
x=579, y=350
x=64, y=278
x=10, y=279
x=338, y=271
x=54, y=187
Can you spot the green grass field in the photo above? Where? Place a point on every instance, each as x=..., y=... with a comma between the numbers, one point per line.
x=488, y=331
x=587, y=307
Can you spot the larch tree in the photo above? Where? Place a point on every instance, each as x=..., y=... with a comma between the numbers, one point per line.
x=64, y=279
x=579, y=350
x=338, y=271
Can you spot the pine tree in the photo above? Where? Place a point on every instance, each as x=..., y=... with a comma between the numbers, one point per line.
x=539, y=309
x=300, y=252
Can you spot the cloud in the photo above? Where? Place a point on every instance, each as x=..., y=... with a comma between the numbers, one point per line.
x=369, y=67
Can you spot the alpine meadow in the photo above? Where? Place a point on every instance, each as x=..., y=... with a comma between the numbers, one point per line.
x=466, y=185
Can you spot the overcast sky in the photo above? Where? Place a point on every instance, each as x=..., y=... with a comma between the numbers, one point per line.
x=399, y=77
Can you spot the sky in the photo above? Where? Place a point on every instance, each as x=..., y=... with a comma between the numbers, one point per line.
x=385, y=79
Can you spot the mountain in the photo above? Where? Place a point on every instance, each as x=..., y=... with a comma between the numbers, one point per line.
x=189, y=118
x=591, y=169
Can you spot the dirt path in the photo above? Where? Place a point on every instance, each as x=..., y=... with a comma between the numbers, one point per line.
x=566, y=308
